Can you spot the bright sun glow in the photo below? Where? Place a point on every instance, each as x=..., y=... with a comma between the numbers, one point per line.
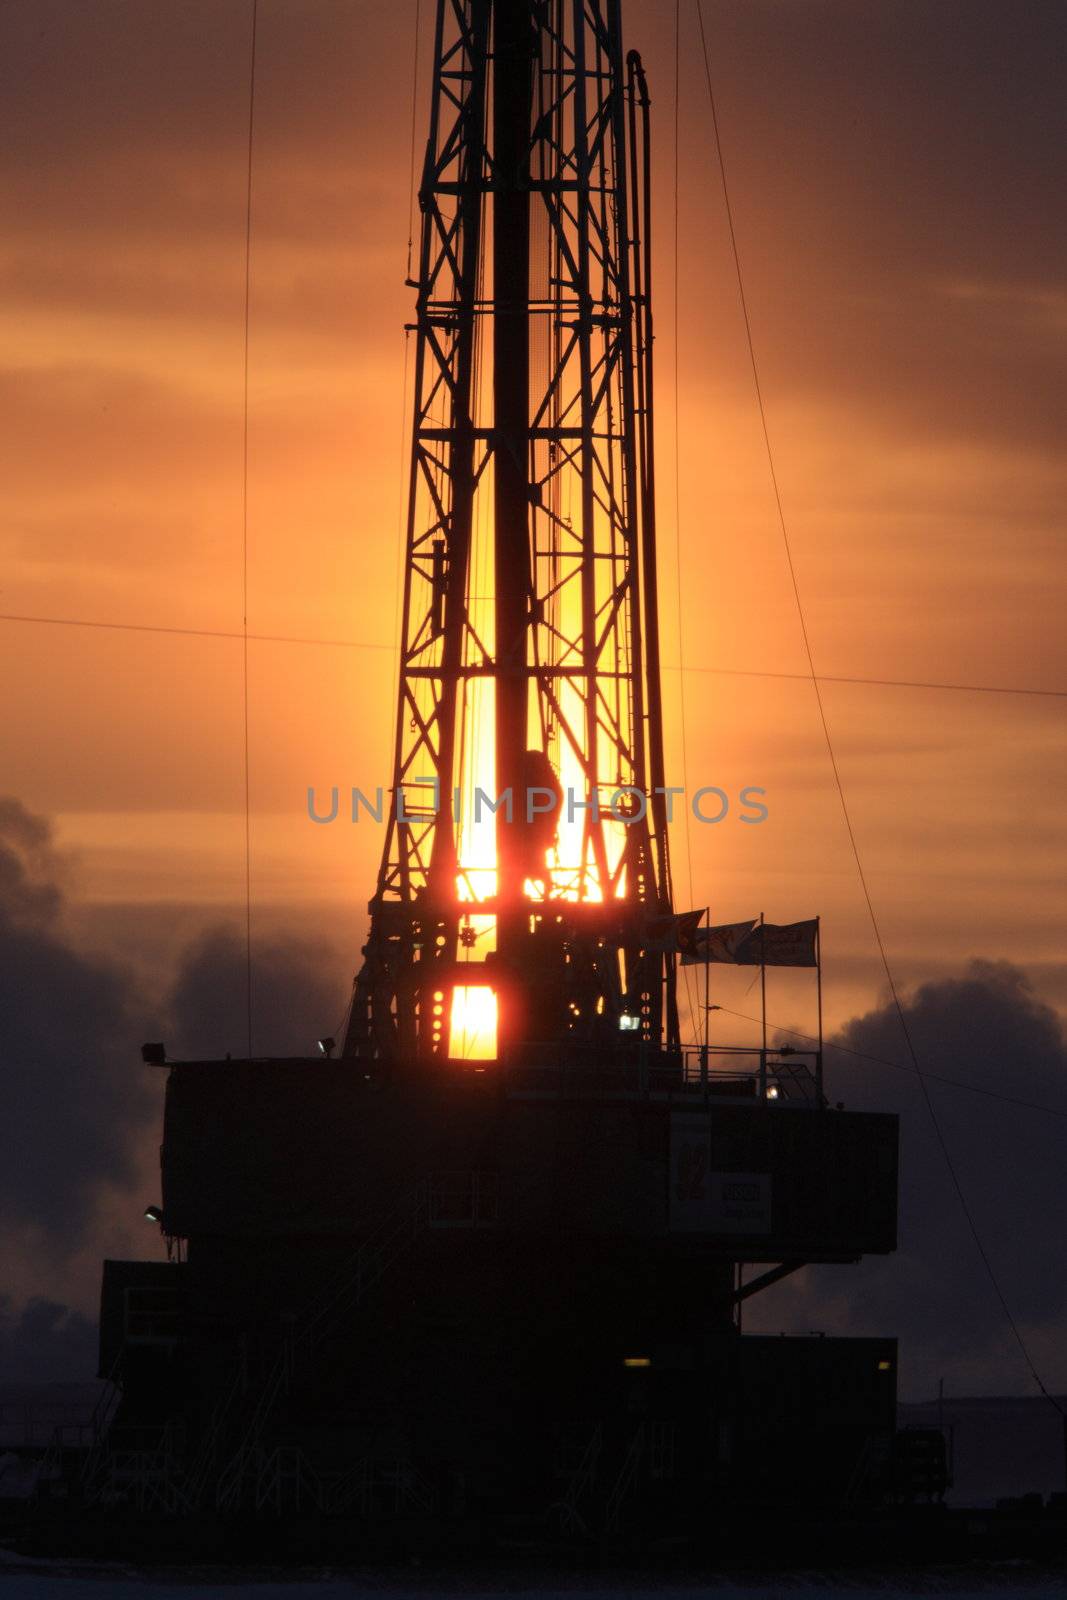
x=472, y=1035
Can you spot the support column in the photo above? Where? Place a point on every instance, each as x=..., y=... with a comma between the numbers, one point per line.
x=513, y=44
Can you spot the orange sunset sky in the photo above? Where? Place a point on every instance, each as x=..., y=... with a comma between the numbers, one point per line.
x=896, y=174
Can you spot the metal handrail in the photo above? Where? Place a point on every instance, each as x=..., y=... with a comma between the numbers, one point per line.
x=567, y=1069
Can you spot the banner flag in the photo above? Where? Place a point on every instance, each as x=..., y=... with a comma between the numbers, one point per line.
x=721, y=943
x=787, y=944
x=752, y=944
x=672, y=934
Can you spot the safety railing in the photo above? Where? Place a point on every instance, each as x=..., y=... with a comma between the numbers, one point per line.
x=569, y=1070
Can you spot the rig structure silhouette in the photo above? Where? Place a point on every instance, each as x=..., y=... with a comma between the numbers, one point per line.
x=485, y=1264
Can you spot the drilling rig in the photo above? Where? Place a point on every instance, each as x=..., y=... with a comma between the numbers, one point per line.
x=486, y=1262
x=527, y=842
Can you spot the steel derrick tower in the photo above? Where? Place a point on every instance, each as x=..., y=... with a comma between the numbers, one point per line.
x=526, y=849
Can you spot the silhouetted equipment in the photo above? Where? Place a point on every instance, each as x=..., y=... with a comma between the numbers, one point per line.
x=488, y=1261
x=530, y=653
x=921, y=1466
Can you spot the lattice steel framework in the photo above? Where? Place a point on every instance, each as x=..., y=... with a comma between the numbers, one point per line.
x=529, y=656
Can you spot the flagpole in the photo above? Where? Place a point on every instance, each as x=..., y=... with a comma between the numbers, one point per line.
x=763, y=1007
x=707, y=1001
x=818, y=990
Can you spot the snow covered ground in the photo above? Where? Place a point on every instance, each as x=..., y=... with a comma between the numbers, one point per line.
x=26, y=1580
x=1001, y=1447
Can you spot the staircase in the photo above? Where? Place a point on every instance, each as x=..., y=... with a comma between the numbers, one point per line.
x=871, y=1471
x=144, y=1470
x=582, y=1478
x=386, y=1244
x=90, y=1440
x=626, y=1481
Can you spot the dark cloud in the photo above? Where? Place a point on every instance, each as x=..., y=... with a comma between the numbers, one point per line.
x=28, y=866
x=72, y=1102
x=298, y=995
x=44, y=1341
x=75, y=1099
x=987, y=1029
x=78, y=1110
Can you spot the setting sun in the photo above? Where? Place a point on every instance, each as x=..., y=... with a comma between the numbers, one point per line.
x=473, y=1023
